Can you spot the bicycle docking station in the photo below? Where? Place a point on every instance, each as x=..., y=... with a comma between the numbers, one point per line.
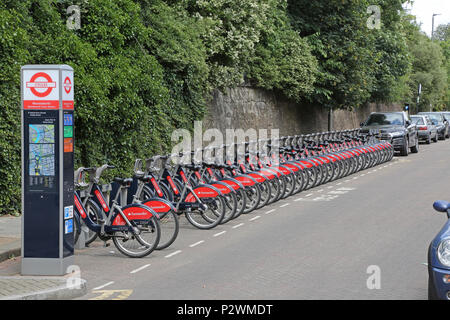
x=47, y=103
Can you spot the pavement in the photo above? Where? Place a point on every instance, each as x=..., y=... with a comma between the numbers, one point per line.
x=13, y=286
x=365, y=236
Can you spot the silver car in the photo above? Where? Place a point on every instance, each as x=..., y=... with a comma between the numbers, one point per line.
x=425, y=127
x=441, y=123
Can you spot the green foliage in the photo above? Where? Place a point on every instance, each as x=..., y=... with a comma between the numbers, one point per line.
x=146, y=67
x=442, y=32
x=282, y=60
x=357, y=63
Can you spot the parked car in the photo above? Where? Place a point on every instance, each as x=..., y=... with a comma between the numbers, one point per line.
x=446, y=115
x=441, y=123
x=439, y=259
x=395, y=127
x=426, y=129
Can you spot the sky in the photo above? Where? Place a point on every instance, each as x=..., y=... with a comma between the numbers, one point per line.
x=424, y=9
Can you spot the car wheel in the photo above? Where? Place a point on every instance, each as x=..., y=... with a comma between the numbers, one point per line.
x=429, y=138
x=405, y=148
x=415, y=148
x=435, y=139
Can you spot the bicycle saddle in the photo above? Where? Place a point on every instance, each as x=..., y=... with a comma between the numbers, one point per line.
x=125, y=182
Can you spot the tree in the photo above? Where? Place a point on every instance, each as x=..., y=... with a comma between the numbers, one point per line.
x=442, y=32
x=357, y=63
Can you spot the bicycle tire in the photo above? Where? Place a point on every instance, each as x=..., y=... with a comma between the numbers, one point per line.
x=169, y=226
x=205, y=222
x=143, y=247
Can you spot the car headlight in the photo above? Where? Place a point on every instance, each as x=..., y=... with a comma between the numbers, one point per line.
x=396, y=134
x=443, y=252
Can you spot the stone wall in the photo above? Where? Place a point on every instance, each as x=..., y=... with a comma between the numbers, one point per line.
x=246, y=107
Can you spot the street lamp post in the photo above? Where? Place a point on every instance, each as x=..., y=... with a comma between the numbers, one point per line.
x=432, y=25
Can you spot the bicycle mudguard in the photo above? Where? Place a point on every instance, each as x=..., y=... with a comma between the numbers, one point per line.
x=246, y=180
x=133, y=212
x=352, y=153
x=203, y=191
x=307, y=164
x=223, y=187
x=324, y=158
x=284, y=170
x=159, y=205
x=233, y=183
x=257, y=176
x=317, y=162
x=292, y=166
x=331, y=157
x=269, y=173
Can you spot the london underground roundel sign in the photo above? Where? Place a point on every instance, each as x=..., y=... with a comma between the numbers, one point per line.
x=40, y=89
x=41, y=84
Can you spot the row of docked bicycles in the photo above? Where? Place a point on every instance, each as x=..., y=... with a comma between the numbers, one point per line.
x=212, y=186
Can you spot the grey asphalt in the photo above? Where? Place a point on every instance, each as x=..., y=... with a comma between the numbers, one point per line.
x=318, y=244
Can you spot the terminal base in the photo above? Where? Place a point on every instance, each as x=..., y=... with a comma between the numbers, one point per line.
x=46, y=266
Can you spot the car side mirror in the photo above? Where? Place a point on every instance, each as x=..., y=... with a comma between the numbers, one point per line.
x=408, y=123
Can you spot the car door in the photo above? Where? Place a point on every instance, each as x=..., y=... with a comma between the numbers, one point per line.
x=432, y=127
x=412, y=131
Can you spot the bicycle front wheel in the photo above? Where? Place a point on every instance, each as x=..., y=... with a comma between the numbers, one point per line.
x=169, y=226
x=209, y=218
x=141, y=244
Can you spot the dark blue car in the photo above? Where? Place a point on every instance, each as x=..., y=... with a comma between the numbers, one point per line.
x=439, y=259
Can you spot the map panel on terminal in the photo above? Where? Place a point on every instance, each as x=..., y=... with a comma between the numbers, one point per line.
x=42, y=150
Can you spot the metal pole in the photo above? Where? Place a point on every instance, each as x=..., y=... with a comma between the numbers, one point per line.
x=432, y=25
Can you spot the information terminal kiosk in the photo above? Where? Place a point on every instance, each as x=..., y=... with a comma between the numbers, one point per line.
x=47, y=94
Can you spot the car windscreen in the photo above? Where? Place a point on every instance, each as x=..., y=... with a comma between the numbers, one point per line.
x=417, y=120
x=434, y=116
x=378, y=119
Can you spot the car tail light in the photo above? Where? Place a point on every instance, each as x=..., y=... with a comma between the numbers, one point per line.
x=423, y=128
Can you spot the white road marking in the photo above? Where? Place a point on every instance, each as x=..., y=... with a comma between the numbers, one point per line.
x=309, y=195
x=298, y=199
x=270, y=211
x=238, y=225
x=354, y=178
x=320, y=190
x=363, y=175
x=220, y=233
x=172, y=254
x=102, y=286
x=254, y=218
x=284, y=205
x=330, y=187
x=346, y=189
x=337, y=192
x=141, y=268
x=197, y=243
x=348, y=180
